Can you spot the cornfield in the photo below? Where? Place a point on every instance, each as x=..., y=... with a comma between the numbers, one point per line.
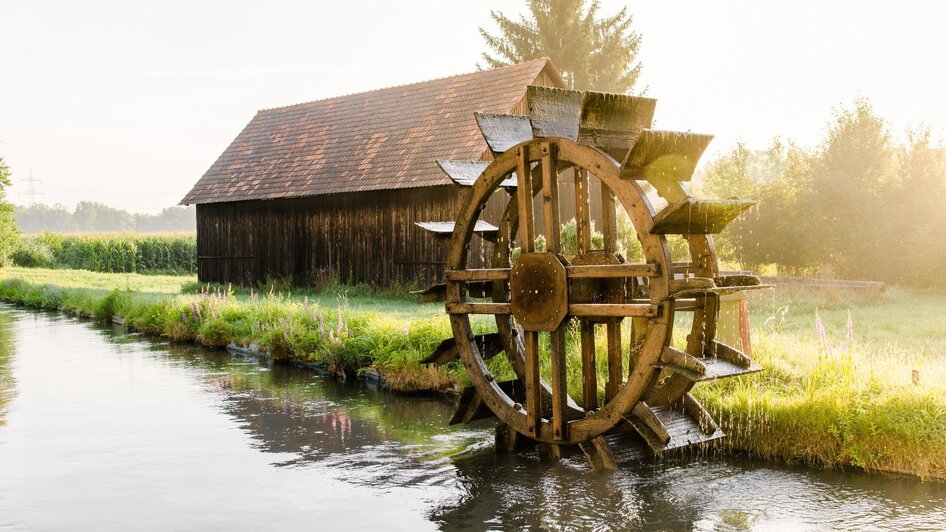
x=112, y=252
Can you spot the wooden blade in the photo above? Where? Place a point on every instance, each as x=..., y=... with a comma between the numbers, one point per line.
x=698, y=216
x=664, y=427
x=445, y=229
x=489, y=346
x=503, y=131
x=554, y=112
x=465, y=173
x=599, y=454
x=664, y=155
x=612, y=122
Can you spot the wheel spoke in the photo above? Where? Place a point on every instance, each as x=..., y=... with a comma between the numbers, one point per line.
x=589, y=367
x=608, y=219
x=550, y=198
x=615, y=371
x=638, y=336
x=524, y=198
x=582, y=216
x=533, y=382
x=559, y=384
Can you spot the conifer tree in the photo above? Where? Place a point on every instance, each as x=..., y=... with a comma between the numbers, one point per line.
x=590, y=51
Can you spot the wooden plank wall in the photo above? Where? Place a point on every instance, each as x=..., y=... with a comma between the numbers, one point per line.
x=360, y=237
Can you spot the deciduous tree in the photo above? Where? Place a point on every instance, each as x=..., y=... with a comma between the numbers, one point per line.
x=9, y=231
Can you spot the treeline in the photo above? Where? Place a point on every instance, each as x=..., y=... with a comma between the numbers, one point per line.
x=112, y=253
x=861, y=205
x=97, y=217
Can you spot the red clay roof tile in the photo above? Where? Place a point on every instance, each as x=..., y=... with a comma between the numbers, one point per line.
x=378, y=140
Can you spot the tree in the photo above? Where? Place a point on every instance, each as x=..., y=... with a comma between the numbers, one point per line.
x=9, y=231
x=771, y=232
x=94, y=216
x=591, y=52
x=860, y=205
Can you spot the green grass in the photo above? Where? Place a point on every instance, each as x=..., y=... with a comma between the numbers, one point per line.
x=152, y=284
x=822, y=399
x=174, y=253
x=832, y=401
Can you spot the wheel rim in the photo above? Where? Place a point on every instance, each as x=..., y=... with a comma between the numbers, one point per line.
x=627, y=389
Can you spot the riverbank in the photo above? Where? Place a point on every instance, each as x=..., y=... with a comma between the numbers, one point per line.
x=869, y=392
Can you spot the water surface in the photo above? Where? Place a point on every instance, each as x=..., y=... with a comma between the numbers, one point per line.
x=100, y=429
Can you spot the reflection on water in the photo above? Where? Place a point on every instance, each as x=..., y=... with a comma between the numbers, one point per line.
x=7, y=351
x=118, y=431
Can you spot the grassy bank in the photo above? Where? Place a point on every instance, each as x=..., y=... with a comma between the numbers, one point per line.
x=843, y=393
x=839, y=394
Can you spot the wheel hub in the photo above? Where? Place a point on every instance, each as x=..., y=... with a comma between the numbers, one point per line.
x=538, y=289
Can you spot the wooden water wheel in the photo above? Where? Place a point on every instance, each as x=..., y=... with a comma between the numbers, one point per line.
x=571, y=298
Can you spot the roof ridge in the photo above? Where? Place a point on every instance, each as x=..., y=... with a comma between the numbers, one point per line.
x=544, y=60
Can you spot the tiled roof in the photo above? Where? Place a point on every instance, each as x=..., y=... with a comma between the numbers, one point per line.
x=377, y=140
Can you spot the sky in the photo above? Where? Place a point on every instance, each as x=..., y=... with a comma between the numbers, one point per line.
x=129, y=102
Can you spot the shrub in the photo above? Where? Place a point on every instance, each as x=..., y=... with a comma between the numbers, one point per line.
x=32, y=253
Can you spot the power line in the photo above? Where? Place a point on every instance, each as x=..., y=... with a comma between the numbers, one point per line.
x=31, y=193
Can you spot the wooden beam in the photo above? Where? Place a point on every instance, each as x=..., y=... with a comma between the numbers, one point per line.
x=481, y=274
x=478, y=308
x=614, y=310
x=582, y=211
x=559, y=384
x=589, y=366
x=550, y=205
x=603, y=271
x=524, y=199
x=615, y=367
x=533, y=382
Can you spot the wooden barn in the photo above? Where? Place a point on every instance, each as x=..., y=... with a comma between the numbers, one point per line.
x=333, y=187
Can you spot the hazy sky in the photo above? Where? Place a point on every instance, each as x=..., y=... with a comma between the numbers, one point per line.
x=129, y=102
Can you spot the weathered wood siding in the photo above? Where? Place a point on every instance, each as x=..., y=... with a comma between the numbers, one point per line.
x=360, y=237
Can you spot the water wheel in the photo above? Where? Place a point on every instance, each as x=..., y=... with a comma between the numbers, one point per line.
x=591, y=291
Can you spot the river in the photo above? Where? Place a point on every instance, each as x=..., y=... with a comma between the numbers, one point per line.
x=105, y=430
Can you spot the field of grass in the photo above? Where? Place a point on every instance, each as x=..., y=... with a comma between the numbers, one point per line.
x=173, y=253
x=842, y=393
